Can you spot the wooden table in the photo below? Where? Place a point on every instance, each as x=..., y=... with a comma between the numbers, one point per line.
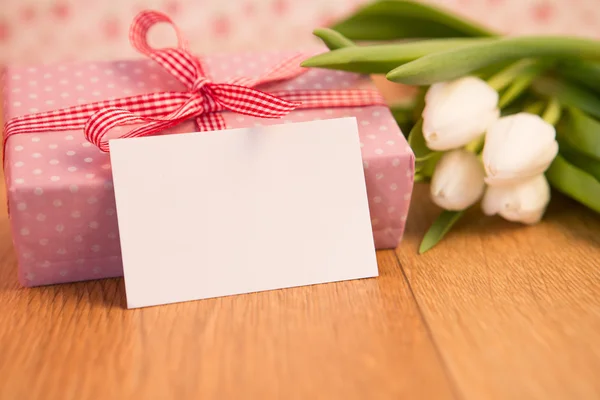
x=496, y=311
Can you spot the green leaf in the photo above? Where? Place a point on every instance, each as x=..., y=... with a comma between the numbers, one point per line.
x=417, y=142
x=332, y=39
x=568, y=95
x=427, y=166
x=403, y=120
x=440, y=227
x=380, y=59
x=397, y=19
x=586, y=73
x=403, y=113
x=405, y=105
x=574, y=182
x=582, y=133
x=581, y=161
x=536, y=107
x=488, y=71
x=419, y=103
x=421, y=178
x=457, y=62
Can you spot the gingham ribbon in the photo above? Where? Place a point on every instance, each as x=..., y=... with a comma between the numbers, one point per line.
x=204, y=100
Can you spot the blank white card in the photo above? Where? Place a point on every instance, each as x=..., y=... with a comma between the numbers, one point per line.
x=221, y=213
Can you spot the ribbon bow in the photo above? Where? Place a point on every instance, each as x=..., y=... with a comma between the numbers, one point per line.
x=204, y=100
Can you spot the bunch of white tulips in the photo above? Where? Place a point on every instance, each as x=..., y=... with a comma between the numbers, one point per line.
x=508, y=175
x=475, y=140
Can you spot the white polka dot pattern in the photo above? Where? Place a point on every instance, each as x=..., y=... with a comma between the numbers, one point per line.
x=98, y=29
x=60, y=186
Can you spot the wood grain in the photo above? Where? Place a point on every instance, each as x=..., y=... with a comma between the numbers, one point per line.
x=496, y=311
x=514, y=311
x=352, y=340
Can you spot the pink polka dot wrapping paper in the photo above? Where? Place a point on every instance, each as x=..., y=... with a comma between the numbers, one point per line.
x=60, y=193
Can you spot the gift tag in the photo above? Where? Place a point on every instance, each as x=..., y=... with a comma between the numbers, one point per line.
x=221, y=213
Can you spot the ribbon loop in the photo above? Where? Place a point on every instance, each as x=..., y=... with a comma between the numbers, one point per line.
x=103, y=121
x=203, y=96
x=99, y=125
x=203, y=101
x=140, y=26
x=244, y=100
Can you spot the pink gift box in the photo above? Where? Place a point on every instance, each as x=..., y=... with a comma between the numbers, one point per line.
x=60, y=193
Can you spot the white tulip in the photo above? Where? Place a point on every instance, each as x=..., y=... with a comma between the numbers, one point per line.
x=517, y=147
x=458, y=112
x=457, y=180
x=524, y=202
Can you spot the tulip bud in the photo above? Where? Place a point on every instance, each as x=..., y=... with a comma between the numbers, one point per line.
x=457, y=180
x=458, y=112
x=525, y=201
x=517, y=147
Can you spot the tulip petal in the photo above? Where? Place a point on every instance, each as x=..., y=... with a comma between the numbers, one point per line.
x=457, y=181
x=518, y=146
x=528, y=218
x=524, y=202
x=457, y=112
x=452, y=136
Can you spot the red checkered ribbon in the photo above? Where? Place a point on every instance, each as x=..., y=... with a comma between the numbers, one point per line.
x=204, y=100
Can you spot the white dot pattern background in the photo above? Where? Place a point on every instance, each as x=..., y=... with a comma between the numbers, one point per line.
x=33, y=31
x=61, y=195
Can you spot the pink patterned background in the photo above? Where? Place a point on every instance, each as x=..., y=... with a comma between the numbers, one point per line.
x=34, y=31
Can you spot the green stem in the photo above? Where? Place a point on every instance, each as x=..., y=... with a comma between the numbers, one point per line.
x=522, y=82
x=506, y=76
x=535, y=108
x=476, y=146
x=553, y=111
